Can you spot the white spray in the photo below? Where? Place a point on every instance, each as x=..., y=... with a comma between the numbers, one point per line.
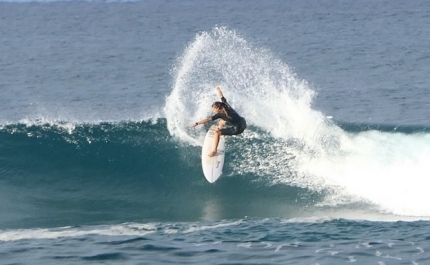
x=388, y=170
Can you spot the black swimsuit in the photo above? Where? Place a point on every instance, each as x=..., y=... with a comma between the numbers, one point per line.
x=236, y=122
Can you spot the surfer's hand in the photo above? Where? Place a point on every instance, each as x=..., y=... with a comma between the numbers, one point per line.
x=194, y=125
x=219, y=92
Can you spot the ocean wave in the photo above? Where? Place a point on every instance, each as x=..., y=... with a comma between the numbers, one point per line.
x=295, y=144
x=125, y=171
x=133, y=171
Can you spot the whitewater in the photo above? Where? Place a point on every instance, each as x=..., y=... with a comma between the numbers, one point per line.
x=368, y=166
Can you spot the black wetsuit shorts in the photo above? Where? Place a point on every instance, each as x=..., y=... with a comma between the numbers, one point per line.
x=234, y=130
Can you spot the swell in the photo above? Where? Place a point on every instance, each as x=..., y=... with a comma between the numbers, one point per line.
x=130, y=171
x=38, y=149
x=71, y=174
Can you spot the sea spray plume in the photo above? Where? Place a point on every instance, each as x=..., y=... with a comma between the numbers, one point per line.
x=256, y=83
x=181, y=101
x=287, y=141
x=260, y=86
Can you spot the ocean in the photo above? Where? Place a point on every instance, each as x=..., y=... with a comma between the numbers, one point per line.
x=99, y=163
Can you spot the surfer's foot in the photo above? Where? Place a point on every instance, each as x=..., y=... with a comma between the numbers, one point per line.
x=211, y=154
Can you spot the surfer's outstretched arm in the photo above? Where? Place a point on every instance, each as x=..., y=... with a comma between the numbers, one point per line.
x=221, y=96
x=201, y=122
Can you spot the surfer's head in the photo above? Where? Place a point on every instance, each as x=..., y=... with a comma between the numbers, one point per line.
x=217, y=106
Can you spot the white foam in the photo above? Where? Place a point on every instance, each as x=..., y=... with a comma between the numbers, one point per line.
x=252, y=80
x=115, y=230
x=193, y=229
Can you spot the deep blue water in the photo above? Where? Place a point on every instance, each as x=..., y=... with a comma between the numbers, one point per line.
x=98, y=163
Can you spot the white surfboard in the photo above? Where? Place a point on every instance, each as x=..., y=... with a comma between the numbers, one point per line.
x=212, y=166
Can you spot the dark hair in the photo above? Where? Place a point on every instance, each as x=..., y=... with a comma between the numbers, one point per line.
x=221, y=105
x=217, y=104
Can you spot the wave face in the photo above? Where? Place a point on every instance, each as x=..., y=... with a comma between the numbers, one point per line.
x=62, y=174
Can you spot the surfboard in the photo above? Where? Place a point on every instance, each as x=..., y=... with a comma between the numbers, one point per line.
x=212, y=166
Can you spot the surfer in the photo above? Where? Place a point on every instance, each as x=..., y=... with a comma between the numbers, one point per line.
x=223, y=110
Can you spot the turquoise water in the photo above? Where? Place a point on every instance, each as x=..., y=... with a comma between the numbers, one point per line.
x=98, y=163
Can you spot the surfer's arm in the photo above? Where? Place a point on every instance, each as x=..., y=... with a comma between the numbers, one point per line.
x=220, y=95
x=219, y=92
x=202, y=122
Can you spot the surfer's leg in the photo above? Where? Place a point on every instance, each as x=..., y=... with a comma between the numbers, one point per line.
x=217, y=135
x=221, y=124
